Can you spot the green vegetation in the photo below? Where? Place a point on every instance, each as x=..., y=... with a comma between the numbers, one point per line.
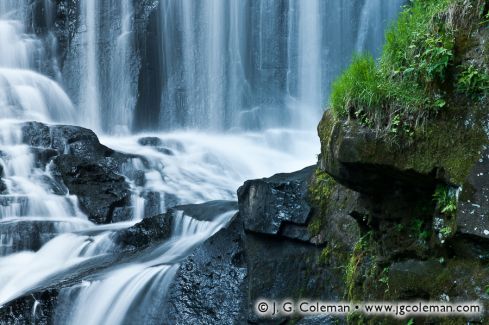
x=359, y=88
x=446, y=200
x=411, y=82
x=320, y=190
x=351, y=270
x=419, y=229
x=473, y=81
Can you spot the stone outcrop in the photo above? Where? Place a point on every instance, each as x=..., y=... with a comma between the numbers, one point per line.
x=421, y=207
x=81, y=165
x=210, y=286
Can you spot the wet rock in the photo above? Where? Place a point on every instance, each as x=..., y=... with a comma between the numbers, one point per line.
x=86, y=168
x=152, y=203
x=267, y=204
x=147, y=232
x=361, y=160
x=100, y=191
x=150, y=141
x=210, y=286
x=167, y=147
x=280, y=268
x=65, y=139
x=43, y=156
x=122, y=214
x=21, y=235
x=473, y=206
x=3, y=187
x=207, y=211
x=37, y=308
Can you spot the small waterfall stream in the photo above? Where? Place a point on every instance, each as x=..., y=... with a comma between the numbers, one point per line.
x=240, y=84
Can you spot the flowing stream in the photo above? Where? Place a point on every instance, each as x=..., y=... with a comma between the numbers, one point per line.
x=240, y=86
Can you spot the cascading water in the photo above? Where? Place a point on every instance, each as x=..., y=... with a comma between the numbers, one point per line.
x=259, y=69
x=27, y=197
x=115, y=291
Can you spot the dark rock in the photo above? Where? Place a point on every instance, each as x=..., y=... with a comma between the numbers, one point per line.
x=37, y=308
x=65, y=139
x=149, y=80
x=43, y=156
x=3, y=187
x=411, y=278
x=361, y=160
x=453, y=280
x=279, y=268
x=266, y=204
x=19, y=235
x=150, y=141
x=152, y=203
x=207, y=211
x=122, y=214
x=473, y=206
x=99, y=190
x=149, y=231
x=166, y=147
x=211, y=286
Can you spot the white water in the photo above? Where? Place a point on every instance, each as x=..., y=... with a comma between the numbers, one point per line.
x=107, y=299
x=210, y=85
x=89, y=100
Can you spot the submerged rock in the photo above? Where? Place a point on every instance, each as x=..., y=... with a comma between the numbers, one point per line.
x=18, y=235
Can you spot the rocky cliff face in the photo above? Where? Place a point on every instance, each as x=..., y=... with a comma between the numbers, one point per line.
x=421, y=200
x=415, y=244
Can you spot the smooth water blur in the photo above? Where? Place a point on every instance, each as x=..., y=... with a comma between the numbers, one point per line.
x=197, y=167
x=110, y=297
x=228, y=66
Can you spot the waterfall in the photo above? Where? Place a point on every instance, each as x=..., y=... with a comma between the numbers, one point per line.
x=122, y=91
x=89, y=100
x=228, y=90
x=108, y=300
x=309, y=81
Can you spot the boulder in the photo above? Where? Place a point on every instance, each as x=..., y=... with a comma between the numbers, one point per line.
x=167, y=147
x=360, y=159
x=210, y=286
x=268, y=204
x=145, y=233
x=37, y=308
x=22, y=235
x=473, y=206
x=99, y=190
x=86, y=168
x=207, y=211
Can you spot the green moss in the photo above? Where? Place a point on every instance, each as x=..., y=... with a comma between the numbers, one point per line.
x=320, y=191
x=444, y=144
x=361, y=250
x=324, y=256
x=447, y=145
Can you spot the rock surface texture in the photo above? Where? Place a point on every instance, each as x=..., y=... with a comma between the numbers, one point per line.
x=83, y=167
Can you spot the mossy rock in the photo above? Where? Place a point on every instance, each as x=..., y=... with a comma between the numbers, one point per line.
x=443, y=150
